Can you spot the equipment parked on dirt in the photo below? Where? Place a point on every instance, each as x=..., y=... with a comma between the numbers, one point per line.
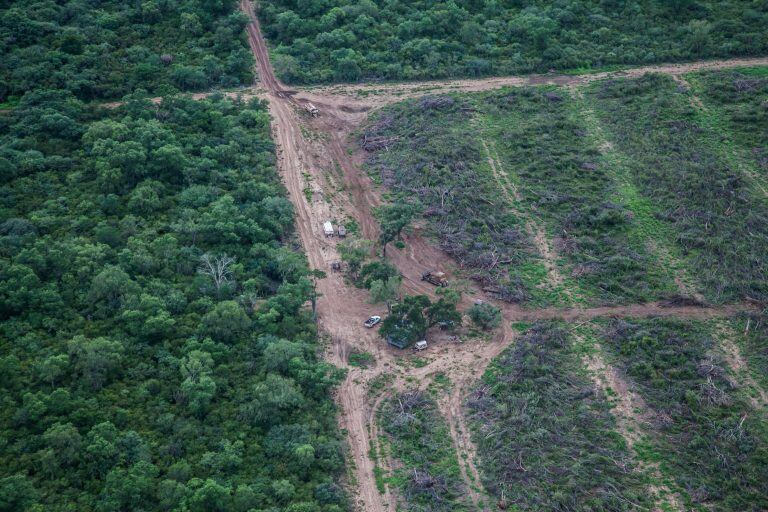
x=375, y=319
x=436, y=278
x=342, y=232
x=336, y=266
x=313, y=110
x=328, y=228
x=420, y=345
x=396, y=342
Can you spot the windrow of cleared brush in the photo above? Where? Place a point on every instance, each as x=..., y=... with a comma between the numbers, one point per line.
x=684, y=167
x=565, y=180
x=428, y=474
x=425, y=152
x=545, y=435
x=706, y=436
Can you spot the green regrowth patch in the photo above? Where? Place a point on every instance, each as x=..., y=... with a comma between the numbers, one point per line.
x=545, y=436
x=429, y=477
x=563, y=179
x=683, y=167
x=710, y=441
x=425, y=150
x=741, y=96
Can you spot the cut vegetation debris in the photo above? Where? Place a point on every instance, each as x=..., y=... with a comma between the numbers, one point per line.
x=428, y=477
x=706, y=436
x=545, y=435
x=688, y=170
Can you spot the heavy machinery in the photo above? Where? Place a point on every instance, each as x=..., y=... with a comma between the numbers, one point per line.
x=313, y=110
x=435, y=278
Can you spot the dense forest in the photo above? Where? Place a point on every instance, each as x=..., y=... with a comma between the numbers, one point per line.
x=350, y=40
x=156, y=353
x=107, y=48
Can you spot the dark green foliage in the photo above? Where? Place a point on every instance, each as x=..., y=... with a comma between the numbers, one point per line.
x=429, y=478
x=407, y=323
x=351, y=40
x=377, y=270
x=110, y=48
x=684, y=167
x=545, y=436
x=156, y=353
x=430, y=157
x=715, y=445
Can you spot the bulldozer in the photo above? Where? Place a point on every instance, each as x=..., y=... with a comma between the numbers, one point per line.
x=435, y=278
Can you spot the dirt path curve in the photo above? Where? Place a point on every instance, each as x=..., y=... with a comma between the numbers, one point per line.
x=314, y=153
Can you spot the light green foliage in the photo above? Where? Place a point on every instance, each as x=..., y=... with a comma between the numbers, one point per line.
x=484, y=315
x=682, y=163
x=708, y=439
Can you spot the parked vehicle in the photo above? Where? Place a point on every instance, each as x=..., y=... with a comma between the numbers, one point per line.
x=342, y=232
x=436, y=278
x=328, y=228
x=375, y=319
x=420, y=345
x=313, y=110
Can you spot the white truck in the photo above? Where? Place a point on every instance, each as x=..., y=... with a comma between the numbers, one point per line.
x=328, y=228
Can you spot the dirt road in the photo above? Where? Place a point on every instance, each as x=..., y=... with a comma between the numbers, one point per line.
x=323, y=176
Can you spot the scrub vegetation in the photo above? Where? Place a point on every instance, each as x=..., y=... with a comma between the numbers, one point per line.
x=429, y=478
x=346, y=40
x=156, y=353
x=683, y=165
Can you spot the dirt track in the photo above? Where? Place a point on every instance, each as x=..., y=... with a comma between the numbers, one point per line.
x=314, y=156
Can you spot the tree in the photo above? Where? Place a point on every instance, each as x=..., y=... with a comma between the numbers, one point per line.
x=217, y=268
x=110, y=289
x=16, y=494
x=407, y=323
x=273, y=399
x=386, y=291
x=227, y=322
x=444, y=312
x=94, y=359
x=354, y=252
x=197, y=387
x=53, y=367
x=486, y=316
x=210, y=497
x=393, y=218
x=64, y=441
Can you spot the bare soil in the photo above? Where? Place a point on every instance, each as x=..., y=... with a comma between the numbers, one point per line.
x=316, y=152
